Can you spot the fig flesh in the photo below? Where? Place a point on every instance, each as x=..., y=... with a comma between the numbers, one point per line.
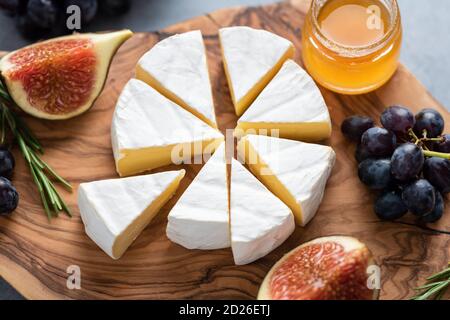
x=330, y=268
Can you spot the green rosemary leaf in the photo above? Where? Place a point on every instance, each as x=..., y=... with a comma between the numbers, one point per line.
x=23, y=129
x=440, y=295
x=55, y=200
x=429, y=285
x=52, y=191
x=436, y=286
x=67, y=209
x=57, y=176
x=64, y=206
x=41, y=192
x=26, y=132
x=37, y=161
x=47, y=189
x=10, y=120
x=34, y=145
x=436, y=290
x=443, y=274
x=24, y=149
x=46, y=207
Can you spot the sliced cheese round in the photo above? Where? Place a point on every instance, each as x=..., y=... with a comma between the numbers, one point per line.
x=291, y=106
x=177, y=68
x=115, y=212
x=260, y=222
x=251, y=59
x=200, y=219
x=150, y=131
x=296, y=172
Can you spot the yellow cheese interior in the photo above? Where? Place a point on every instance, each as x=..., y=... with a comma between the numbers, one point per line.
x=126, y=238
x=268, y=178
x=242, y=105
x=135, y=161
x=143, y=75
x=307, y=132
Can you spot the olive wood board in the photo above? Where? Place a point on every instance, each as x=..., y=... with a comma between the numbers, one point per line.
x=35, y=254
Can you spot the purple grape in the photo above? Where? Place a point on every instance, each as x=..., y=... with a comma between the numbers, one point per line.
x=375, y=173
x=389, y=206
x=41, y=19
x=379, y=142
x=420, y=197
x=431, y=121
x=437, y=212
x=7, y=163
x=354, y=127
x=362, y=154
x=437, y=171
x=398, y=120
x=43, y=13
x=9, y=198
x=444, y=146
x=407, y=162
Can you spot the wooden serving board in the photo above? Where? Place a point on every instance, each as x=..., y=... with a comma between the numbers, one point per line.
x=35, y=254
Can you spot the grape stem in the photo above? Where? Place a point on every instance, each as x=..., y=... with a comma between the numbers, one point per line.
x=414, y=136
x=436, y=154
x=420, y=142
x=433, y=139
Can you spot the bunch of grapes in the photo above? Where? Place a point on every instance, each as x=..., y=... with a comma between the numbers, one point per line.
x=47, y=18
x=407, y=160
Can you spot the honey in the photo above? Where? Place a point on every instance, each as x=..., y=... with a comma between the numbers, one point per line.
x=352, y=46
x=345, y=22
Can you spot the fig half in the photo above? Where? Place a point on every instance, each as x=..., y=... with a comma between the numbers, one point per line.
x=62, y=77
x=330, y=268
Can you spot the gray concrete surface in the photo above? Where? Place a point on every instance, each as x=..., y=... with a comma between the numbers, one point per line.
x=426, y=44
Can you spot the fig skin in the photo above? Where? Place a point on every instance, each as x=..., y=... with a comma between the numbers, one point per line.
x=347, y=242
x=105, y=46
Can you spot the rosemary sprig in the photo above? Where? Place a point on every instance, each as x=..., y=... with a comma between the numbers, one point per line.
x=436, y=286
x=31, y=150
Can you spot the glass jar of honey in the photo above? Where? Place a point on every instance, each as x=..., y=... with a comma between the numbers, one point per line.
x=352, y=46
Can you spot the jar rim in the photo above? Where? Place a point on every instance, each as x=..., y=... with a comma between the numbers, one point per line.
x=354, y=51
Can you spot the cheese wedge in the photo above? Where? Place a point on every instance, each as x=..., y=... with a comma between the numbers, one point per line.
x=150, y=131
x=296, y=172
x=291, y=106
x=260, y=222
x=115, y=212
x=251, y=59
x=177, y=68
x=200, y=219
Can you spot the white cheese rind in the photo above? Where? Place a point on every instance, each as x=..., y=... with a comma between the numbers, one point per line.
x=179, y=64
x=144, y=118
x=260, y=222
x=200, y=219
x=302, y=168
x=250, y=54
x=108, y=207
x=291, y=97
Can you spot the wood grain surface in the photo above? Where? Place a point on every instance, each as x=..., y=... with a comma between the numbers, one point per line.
x=35, y=254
